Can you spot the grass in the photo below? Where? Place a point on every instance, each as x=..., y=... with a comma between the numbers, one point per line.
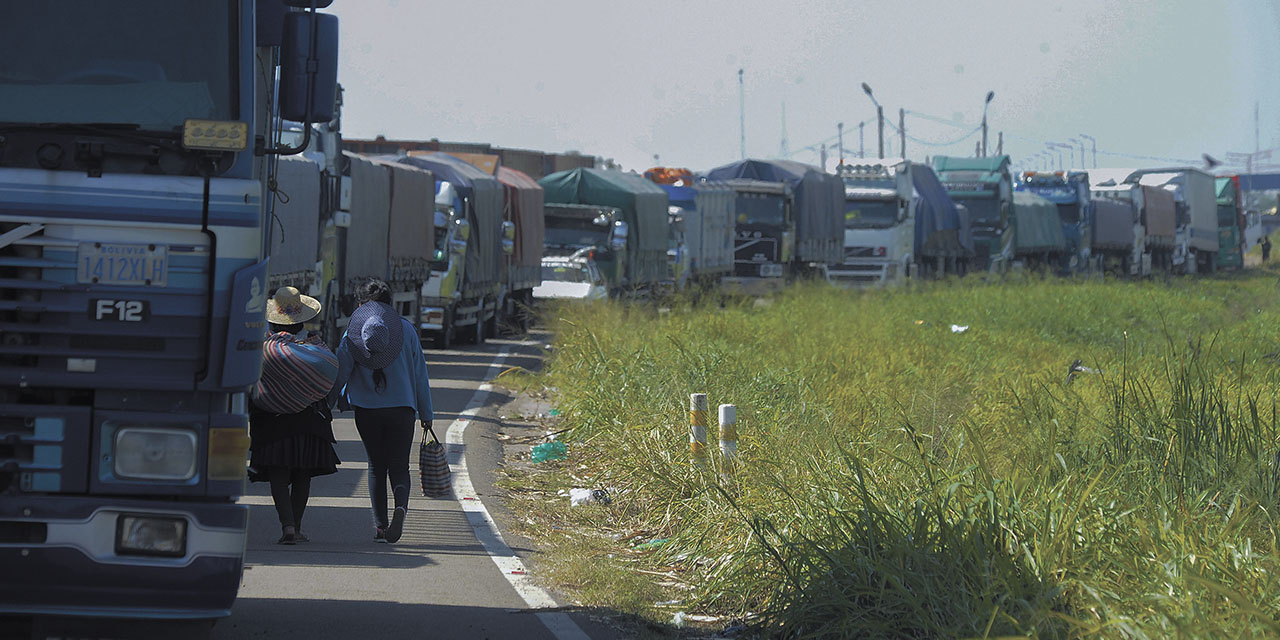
x=898, y=478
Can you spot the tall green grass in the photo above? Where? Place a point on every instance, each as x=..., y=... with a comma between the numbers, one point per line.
x=899, y=479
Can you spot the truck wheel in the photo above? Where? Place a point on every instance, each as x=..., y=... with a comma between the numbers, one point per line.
x=448, y=333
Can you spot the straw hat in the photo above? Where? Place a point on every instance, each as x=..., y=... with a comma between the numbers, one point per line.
x=289, y=306
x=376, y=335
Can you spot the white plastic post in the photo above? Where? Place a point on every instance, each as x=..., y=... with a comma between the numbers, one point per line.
x=698, y=428
x=728, y=437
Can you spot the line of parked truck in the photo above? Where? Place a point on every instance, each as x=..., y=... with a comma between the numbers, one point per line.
x=466, y=242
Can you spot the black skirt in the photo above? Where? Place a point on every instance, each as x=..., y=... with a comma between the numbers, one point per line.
x=294, y=452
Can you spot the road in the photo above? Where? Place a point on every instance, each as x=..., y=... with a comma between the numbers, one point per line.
x=452, y=575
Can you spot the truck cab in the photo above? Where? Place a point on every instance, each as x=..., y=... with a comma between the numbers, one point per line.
x=985, y=187
x=764, y=234
x=879, y=225
x=448, y=263
x=598, y=229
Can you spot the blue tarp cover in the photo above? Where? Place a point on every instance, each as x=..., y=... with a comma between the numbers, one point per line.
x=819, y=203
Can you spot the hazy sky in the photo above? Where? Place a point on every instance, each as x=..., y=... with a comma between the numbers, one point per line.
x=1153, y=82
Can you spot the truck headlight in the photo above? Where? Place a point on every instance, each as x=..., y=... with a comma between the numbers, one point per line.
x=141, y=534
x=149, y=453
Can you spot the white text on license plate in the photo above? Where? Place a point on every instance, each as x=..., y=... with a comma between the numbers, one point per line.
x=122, y=264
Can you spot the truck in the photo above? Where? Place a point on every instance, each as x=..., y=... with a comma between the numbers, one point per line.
x=137, y=163
x=1069, y=190
x=700, y=235
x=985, y=188
x=1194, y=193
x=1037, y=238
x=1115, y=239
x=524, y=211
x=899, y=222
x=1154, y=216
x=788, y=221
x=463, y=290
x=1231, y=224
x=631, y=255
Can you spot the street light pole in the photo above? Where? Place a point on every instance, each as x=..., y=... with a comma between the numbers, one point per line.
x=840, y=134
x=1094, y=143
x=990, y=95
x=879, y=116
x=902, y=129
x=1081, y=143
x=742, y=115
x=861, y=149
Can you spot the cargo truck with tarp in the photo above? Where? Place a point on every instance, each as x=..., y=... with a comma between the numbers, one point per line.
x=386, y=208
x=985, y=187
x=1155, y=218
x=1113, y=243
x=1196, y=234
x=620, y=218
x=788, y=220
x=700, y=246
x=1231, y=224
x=1069, y=191
x=1038, y=241
x=462, y=292
x=140, y=143
x=295, y=232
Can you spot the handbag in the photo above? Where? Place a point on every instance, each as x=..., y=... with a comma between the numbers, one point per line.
x=433, y=467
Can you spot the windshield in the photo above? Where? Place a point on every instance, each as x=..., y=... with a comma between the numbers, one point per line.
x=984, y=210
x=575, y=232
x=760, y=208
x=153, y=63
x=566, y=273
x=870, y=214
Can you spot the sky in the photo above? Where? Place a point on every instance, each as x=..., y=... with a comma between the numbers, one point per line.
x=1154, y=83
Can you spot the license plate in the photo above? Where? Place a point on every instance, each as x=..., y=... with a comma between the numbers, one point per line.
x=122, y=264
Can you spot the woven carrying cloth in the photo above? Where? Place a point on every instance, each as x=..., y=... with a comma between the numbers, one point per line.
x=295, y=373
x=433, y=467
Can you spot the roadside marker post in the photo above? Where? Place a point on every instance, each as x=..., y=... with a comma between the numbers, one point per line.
x=728, y=439
x=698, y=429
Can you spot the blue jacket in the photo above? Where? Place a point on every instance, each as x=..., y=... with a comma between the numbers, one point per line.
x=407, y=382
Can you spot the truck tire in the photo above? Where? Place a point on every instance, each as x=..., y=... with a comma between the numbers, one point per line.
x=448, y=332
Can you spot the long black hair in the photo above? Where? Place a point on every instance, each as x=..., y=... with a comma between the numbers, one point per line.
x=375, y=290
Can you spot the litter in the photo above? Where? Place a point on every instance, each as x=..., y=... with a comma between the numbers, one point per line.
x=955, y=328
x=650, y=545
x=588, y=496
x=549, y=451
x=678, y=619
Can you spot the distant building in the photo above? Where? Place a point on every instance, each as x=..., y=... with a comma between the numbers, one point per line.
x=535, y=163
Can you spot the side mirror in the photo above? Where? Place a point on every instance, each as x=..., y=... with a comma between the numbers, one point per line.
x=508, y=237
x=309, y=67
x=618, y=242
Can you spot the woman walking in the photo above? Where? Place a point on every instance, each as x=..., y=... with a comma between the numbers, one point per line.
x=290, y=426
x=382, y=374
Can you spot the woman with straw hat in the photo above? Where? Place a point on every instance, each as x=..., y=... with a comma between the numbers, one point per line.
x=382, y=374
x=291, y=427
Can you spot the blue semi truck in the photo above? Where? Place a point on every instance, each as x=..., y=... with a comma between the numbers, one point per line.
x=136, y=156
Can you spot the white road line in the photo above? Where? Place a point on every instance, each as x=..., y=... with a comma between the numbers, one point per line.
x=558, y=623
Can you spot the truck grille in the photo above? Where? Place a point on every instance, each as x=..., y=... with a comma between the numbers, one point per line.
x=49, y=336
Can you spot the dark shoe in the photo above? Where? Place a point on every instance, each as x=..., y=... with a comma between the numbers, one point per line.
x=301, y=537
x=288, y=538
x=397, y=525
x=380, y=535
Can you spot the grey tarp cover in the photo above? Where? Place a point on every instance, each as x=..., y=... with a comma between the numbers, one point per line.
x=819, y=203
x=1112, y=225
x=524, y=209
x=710, y=240
x=411, y=230
x=644, y=209
x=938, y=229
x=295, y=234
x=484, y=197
x=1038, y=226
x=370, y=215
x=1161, y=215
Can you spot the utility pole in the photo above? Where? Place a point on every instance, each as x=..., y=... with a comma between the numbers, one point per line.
x=1000, y=143
x=977, y=148
x=783, y=151
x=902, y=129
x=840, y=135
x=822, y=155
x=880, y=118
x=742, y=115
x=990, y=95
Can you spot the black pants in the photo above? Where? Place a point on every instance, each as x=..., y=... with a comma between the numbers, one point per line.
x=388, y=436
x=290, y=504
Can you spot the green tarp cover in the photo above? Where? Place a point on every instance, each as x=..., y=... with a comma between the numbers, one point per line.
x=643, y=205
x=1038, y=226
x=989, y=164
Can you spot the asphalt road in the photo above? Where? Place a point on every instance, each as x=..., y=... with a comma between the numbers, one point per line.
x=441, y=580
